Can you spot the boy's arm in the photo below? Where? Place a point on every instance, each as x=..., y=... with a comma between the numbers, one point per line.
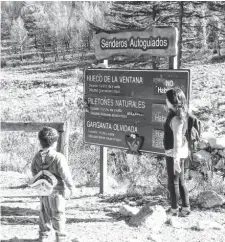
x=64, y=171
x=33, y=167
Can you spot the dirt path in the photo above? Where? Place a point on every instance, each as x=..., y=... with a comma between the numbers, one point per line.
x=90, y=218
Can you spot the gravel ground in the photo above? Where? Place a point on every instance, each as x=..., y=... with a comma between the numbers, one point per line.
x=90, y=218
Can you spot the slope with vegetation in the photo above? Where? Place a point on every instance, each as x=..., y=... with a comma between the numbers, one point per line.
x=45, y=47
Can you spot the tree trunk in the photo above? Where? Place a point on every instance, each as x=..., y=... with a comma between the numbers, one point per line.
x=63, y=53
x=21, y=53
x=180, y=34
x=67, y=44
x=220, y=26
x=89, y=43
x=56, y=53
x=154, y=61
x=43, y=55
x=35, y=41
x=204, y=27
x=43, y=51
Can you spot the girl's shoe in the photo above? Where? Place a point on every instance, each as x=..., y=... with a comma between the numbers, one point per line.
x=172, y=212
x=184, y=212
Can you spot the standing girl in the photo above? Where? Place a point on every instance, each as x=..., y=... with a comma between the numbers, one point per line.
x=176, y=149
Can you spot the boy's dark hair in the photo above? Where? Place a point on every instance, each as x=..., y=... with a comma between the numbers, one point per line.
x=47, y=136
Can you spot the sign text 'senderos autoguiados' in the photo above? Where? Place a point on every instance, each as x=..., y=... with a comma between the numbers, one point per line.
x=135, y=43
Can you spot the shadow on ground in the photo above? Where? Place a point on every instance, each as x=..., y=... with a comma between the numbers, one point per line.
x=17, y=211
x=19, y=201
x=17, y=215
x=29, y=240
x=87, y=220
x=21, y=240
x=19, y=221
x=34, y=221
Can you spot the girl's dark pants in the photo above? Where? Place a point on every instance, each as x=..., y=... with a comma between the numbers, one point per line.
x=176, y=183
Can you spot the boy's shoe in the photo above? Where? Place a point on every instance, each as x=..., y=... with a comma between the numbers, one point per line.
x=184, y=212
x=172, y=212
x=45, y=237
x=62, y=238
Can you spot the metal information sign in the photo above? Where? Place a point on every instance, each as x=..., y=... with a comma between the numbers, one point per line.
x=124, y=102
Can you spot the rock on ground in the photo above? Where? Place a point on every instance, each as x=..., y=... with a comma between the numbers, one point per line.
x=202, y=156
x=157, y=218
x=210, y=199
x=207, y=224
x=203, y=144
x=152, y=217
x=220, y=164
x=126, y=210
x=217, y=143
x=141, y=216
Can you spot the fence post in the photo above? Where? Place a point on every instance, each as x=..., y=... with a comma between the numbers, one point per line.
x=64, y=140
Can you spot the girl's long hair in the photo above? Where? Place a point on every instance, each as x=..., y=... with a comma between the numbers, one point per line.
x=177, y=98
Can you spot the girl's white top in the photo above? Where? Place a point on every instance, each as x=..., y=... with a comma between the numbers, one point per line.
x=179, y=150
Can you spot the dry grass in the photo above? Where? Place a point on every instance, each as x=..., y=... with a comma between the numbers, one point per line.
x=53, y=93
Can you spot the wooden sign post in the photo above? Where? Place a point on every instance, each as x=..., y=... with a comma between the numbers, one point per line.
x=103, y=161
x=129, y=105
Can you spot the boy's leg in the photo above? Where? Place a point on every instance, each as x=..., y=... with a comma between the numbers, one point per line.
x=58, y=216
x=44, y=219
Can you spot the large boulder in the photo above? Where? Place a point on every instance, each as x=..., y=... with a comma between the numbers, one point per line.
x=210, y=199
x=139, y=218
x=207, y=224
x=217, y=143
x=126, y=210
x=220, y=165
x=202, y=156
x=222, y=153
x=157, y=219
x=207, y=135
x=203, y=144
x=152, y=217
x=111, y=182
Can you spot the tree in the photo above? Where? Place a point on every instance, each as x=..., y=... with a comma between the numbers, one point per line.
x=94, y=13
x=61, y=24
x=28, y=14
x=18, y=35
x=42, y=30
x=9, y=11
x=216, y=25
x=133, y=15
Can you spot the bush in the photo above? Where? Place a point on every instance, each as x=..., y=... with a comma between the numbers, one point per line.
x=218, y=59
x=17, y=150
x=16, y=63
x=3, y=63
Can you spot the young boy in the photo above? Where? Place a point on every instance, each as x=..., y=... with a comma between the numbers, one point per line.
x=52, y=207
